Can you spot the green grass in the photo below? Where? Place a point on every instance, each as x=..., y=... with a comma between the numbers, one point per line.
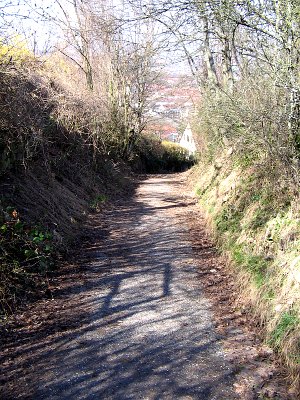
x=259, y=229
x=261, y=217
x=100, y=199
x=244, y=160
x=199, y=192
x=255, y=264
x=211, y=208
x=288, y=321
x=228, y=220
x=269, y=295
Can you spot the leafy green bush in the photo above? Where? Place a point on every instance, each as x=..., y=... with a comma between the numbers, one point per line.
x=98, y=201
x=175, y=157
x=153, y=155
x=25, y=251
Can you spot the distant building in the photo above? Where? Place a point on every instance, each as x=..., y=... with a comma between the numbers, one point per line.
x=173, y=137
x=187, y=141
x=173, y=113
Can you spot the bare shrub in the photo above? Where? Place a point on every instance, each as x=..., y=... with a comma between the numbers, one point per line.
x=57, y=154
x=253, y=120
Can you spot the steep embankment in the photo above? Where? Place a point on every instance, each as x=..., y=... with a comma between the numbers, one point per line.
x=63, y=152
x=54, y=168
x=255, y=219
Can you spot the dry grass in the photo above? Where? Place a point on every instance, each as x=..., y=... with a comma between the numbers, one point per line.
x=258, y=229
x=56, y=157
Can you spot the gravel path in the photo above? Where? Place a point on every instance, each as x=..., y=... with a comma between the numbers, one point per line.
x=149, y=333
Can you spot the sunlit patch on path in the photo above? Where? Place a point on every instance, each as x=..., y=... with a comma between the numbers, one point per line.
x=149, y=333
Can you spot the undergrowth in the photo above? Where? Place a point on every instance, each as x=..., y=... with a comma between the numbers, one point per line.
x=98, y=201
x=27, y=253
x=58, y=161
x=288, y=321
x=153, y=155
x=64, y=151
x=256, y=221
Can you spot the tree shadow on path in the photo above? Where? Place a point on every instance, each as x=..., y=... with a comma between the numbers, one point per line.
x=136, y=325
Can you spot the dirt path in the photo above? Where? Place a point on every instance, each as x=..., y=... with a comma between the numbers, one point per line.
x=134, y=323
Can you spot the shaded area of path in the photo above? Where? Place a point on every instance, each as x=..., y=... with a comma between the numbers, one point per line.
x=147, y=333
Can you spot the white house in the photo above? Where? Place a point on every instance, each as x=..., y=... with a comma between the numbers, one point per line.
x=187, y=141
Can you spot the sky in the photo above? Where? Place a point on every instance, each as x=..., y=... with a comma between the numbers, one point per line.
x=36, y=20
x=41, y=22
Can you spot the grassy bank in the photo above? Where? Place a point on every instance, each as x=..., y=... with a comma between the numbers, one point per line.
x=255, y=217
